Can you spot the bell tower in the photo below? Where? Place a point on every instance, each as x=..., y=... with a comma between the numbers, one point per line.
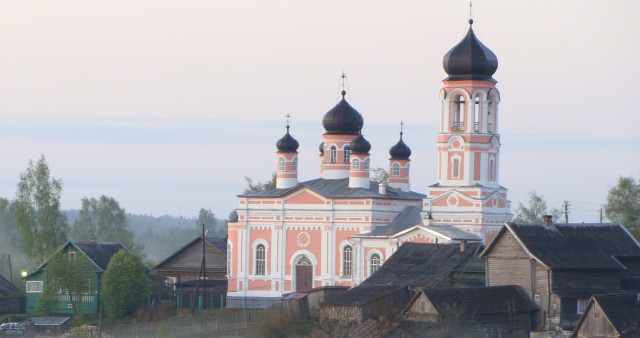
x=468, y=194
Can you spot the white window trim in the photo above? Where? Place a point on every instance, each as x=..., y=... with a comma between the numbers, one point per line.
x=34, y=286
x=254, y=248
x=282, y=163
x=333, y=154
x=370, y=255
x=395, y=169
x=342, y=260
x=346, y=154
x=229, y=261
x=366, y=164
x=355, y=164
x=295, y=163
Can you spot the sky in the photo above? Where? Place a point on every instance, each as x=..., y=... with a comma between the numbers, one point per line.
x=167, y=105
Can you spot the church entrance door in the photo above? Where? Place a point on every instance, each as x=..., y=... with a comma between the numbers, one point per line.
x=304, y=274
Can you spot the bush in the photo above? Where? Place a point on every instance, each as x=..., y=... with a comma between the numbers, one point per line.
x=124, y=285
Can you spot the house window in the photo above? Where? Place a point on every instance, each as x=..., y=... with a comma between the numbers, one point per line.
x=72, y=255
x=395, y=171
x=455, y=171
x=347, y=154
x=34, y=286
x=333, y=154
x=347, y=261
x=536, y=298
x=281, y=163
x=260, y=259
x=228, y=259
x=355, y=164
x=295, y=164
x=581, y=305
x=366, y=164
x=374, y=263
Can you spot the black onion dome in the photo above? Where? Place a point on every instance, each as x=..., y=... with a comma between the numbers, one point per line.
x=470, y=60
x=360, y=145
x=321, y=148
x=342, y=119
x=400, y=151
x=287, y=144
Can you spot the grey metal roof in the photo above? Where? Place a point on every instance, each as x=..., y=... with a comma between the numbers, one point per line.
x=409, y=217
x=339, y=188
x=400, y=151
x=575, y=246
x=342, y=119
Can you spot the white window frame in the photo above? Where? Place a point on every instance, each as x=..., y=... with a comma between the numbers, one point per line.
x=355, y=164
x=281, y=163
x=258, y=260
x=346, y=154
x=34, y=286
x=581, y=304
x=395, y=169
x=347, y=262
x=333, y=154
x=229, y=251
x=374, y=266
x=295, y=164
x=366, y=164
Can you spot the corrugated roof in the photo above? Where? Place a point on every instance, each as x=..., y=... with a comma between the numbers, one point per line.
x=623, y=311
x=339, y=188
x=6, y=287
x=480, y=300
x=100, y=252
x=421, y=264
x=576, y=246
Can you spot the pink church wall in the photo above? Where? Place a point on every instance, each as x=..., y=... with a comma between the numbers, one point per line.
x=304, y=197
x=259, y=285
x=314, y=246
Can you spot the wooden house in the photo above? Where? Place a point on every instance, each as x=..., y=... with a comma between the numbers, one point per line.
x=182, y=269
x=504, y=311
x=412, y=267
x=561, y=265
x=610, y=315
x=99, y=253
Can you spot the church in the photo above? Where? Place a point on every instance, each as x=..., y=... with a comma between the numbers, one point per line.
x=337, y=229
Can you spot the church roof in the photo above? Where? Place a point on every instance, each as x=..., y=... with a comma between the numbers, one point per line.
x=400, y=151
x=287, y=144
x=573, y=245
x=410, y=217
x=342, y=119
x=470, y=60
x=339, y=188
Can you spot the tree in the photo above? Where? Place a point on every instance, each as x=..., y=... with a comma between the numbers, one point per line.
x=379, y=175
x=206, y=217
x=125, y=284
x=251, y=187
x=71, y=272
x=106, y=220
x=536, y=209
x=42, y=226
x=623, y=205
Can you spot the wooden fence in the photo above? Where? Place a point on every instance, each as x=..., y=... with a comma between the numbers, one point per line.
x=11, y=305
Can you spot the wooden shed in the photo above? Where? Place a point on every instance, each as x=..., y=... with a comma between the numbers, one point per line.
x=611, y=315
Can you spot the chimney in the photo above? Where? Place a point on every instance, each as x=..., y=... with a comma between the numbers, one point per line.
x=463, y=245
x=382, y=188
x=429, y=219
x=547, y=220
x=92, y=239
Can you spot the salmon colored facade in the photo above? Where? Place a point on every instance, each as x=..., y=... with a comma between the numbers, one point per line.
x=339, y=228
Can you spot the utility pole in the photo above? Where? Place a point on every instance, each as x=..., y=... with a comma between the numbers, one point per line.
x=565, y=207
x=600, y=215
x=202, y=276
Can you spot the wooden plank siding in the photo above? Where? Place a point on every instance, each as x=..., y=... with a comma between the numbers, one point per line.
x=595, y=324
x=185, y=265
x=509, y=264
x=585, y=279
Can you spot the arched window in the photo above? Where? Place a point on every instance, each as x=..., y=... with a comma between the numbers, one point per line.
x=366, y=164
x=374, y=263
x=455, y=171
x=407, y=169
x=490, y=117
x=492, y=169
x=228, y=259
x=260, y=259
x=395, y=169
x=476, y=113
x=295, y=164
x=281, y=163
x=347, y=154
x=355, y=164
x=458, y=113
x=347, y=261
x=333, y=154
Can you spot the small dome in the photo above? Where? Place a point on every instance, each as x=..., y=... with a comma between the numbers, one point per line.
x=470, y=60
x=287, y=144
x=400, y=151
x=321, y=148
x=342, y=119
x=360, y=145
